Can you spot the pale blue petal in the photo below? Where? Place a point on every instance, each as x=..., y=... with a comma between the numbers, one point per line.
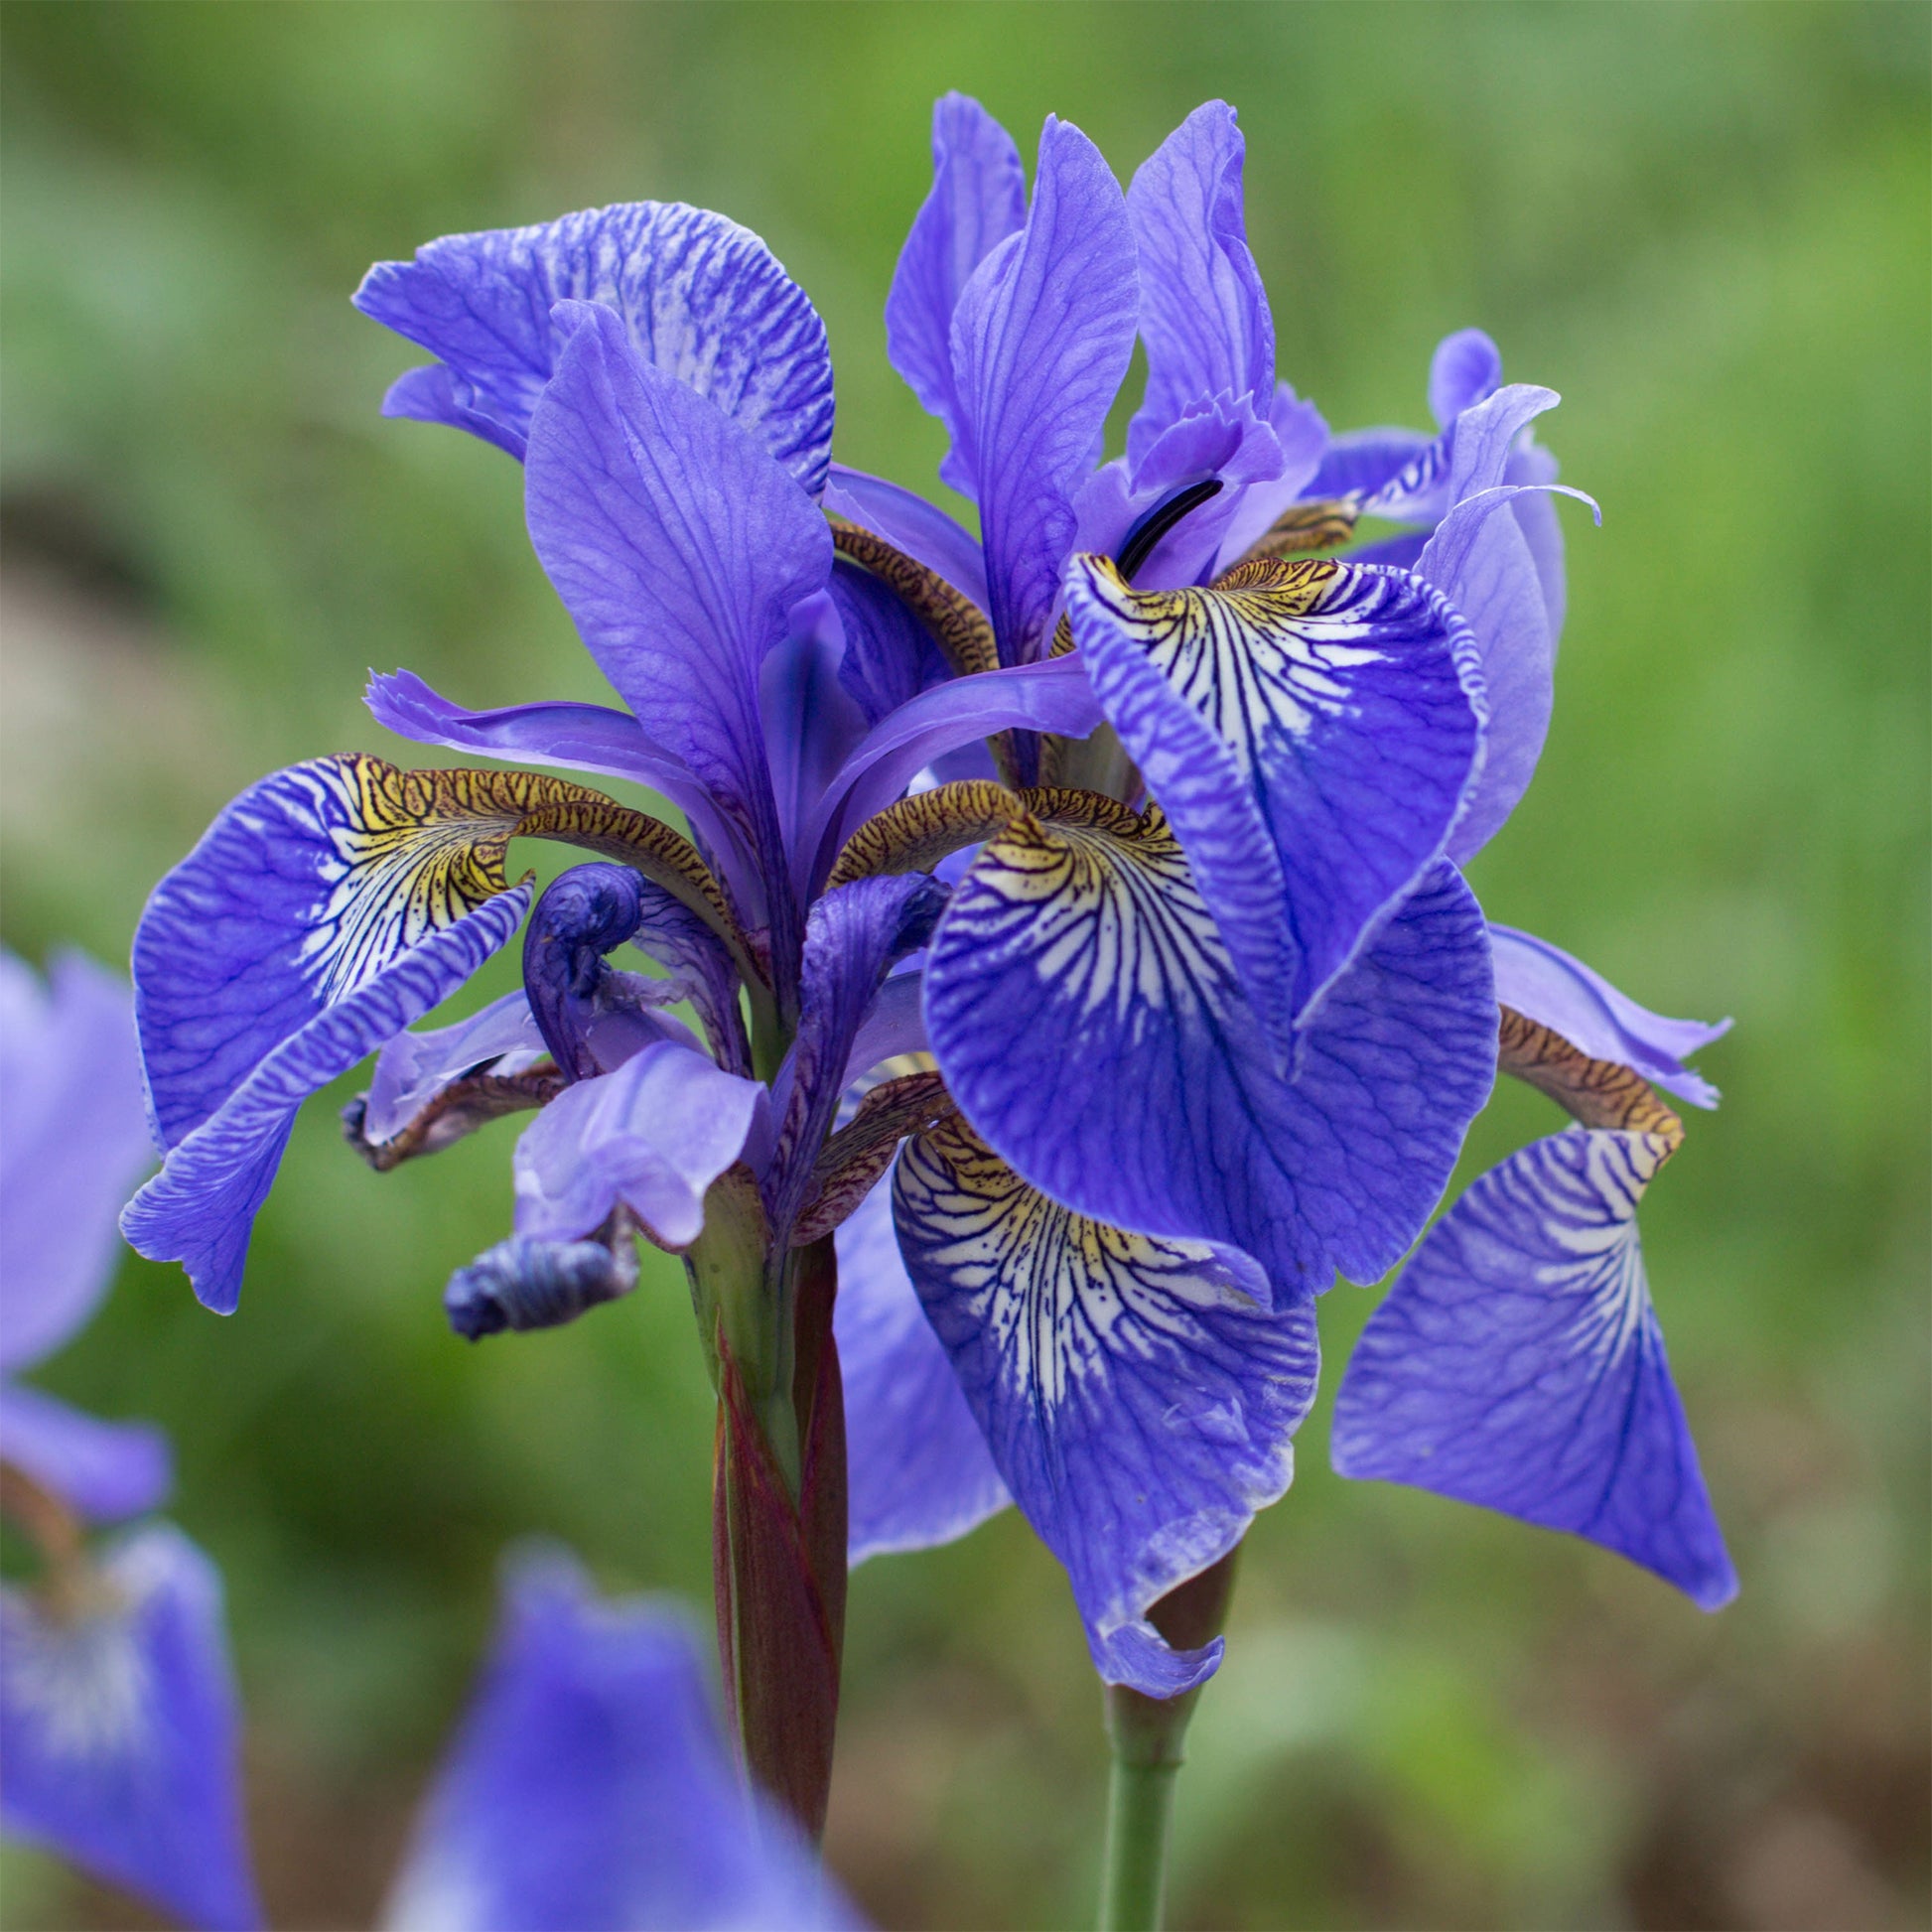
x=977, y=197
x=588, y=1788
x=1533, y=469
x=1543, y=983
x=680, y=549
x=654, y=1135
x=1466, y=369
x=1204, y=311
x=105, y=1471
x=73, y=1140
x=1042, y=338
x=414, y=1067
x=1478, y=558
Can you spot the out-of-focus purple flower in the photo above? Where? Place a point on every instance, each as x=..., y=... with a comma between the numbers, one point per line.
x=590, y=1788
x=1517, y=1362
x=119, y=1727
x=72, y=1139
x=119, y=1720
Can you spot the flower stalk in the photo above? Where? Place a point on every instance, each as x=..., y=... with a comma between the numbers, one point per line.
x=1147, y=1736
x=779, y=1511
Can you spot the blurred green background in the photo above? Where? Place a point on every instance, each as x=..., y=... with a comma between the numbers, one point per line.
x=1707, y=226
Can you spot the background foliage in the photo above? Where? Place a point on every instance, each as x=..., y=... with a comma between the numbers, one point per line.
x=1707, y=226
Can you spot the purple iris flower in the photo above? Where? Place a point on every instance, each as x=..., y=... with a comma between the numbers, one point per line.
x=1136, y=819
x=668, y=390
x=1209, y=1054
x=118, y=1718
x=590, y=1787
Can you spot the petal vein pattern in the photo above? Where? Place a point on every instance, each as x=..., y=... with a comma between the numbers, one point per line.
x=1136, y=1396
x=699, y=297
x=1085, y=1011
x=1042, y=337
x=201, y=1207
x=319, y=879
x=1340, y=702
x=1518, y=1364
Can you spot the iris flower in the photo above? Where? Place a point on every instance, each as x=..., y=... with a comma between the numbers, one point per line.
x=118, y=1721
x=1108, y=859
x=1209, y=1054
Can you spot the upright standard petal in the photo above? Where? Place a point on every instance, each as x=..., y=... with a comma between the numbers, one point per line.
x=1323, y=716
x=118, y=1724
x=696, y=296
x=977, y=197
x=1204, y=311
x=1545, y=984
x=653, y=1136
x=1137, y=1395
x=680, y=549
x=73, y=1139
x=854, y=936
x=1466, y=369
x=1517, y=1363
x=919, y=1470
x=590, y=1788
x=1087, y=1014
x=201, y=1208
x=105, y=1471
x=1042, y=338
x=1478, y=558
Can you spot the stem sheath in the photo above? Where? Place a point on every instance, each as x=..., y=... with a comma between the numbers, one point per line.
x=1149, y=1737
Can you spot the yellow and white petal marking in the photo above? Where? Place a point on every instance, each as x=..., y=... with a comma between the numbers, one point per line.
x=1137, y=1399
x=1058, y=1293
x=409, y=853
x=1266, y=648
x=1100, y=899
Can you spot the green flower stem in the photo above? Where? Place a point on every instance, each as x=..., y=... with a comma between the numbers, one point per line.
x=1149, y=1738
x=1140, y=1805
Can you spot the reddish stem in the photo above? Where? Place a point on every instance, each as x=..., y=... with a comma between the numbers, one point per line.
x=778, y=1561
